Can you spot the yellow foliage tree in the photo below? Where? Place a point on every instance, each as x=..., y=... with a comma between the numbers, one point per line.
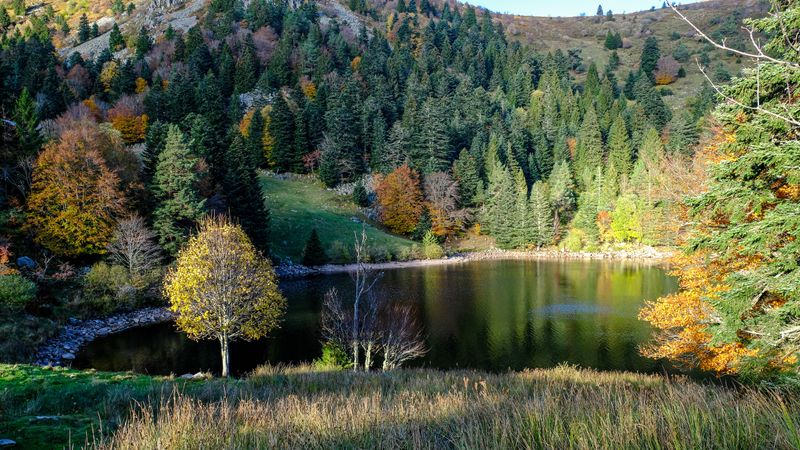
x=222, y=288
x=141, y=85
x=75, y=196
x=108, y=74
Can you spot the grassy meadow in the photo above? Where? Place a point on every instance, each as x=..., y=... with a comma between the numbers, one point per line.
x=302, y=407
x=299, y=204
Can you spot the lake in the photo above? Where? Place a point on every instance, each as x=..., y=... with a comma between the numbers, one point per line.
x=491, y=315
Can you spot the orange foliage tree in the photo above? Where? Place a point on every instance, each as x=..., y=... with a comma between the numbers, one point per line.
x=399, y=199
x=127, y=116
x=76, y=194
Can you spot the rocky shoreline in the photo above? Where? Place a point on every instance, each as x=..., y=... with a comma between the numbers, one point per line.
x=288, y=270
x=61, y=350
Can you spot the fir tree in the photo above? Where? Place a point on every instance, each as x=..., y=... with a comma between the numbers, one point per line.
x=5, y=20
x=243, y=194
x=178, y=205
x=115, y=39
x=27, y=121
x=314, y=253
x=501, y=194
x=522, y=229
x=651, y=53
x=658, y=113
x=589, y=152
x=541, y=216
x=143, y=43
x=255, y=140
x=360, y=196
x=465, y=171
x=84, y=31
x=281, y=128
x=620, y=154
x=562, y=195
x=246, y=69
x=683, y=135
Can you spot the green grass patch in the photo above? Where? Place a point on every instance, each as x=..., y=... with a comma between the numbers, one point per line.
x=301, y=407
x=300, y=204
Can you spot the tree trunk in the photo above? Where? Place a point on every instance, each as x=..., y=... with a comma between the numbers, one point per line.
x=226, y=357
x=368, y=357
x=356, y=345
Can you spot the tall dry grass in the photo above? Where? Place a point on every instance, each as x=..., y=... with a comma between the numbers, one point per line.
x=557, y=408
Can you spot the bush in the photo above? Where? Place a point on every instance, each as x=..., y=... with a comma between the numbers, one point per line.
x=108, y=288
x=430, y=247
x=16, y=291
x=360, y=195
x=333, y=357
x=574, y=240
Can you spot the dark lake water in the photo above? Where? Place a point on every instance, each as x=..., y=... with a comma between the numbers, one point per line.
x=492, y=315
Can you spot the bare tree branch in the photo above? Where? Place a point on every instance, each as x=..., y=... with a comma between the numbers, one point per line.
x=759, y=55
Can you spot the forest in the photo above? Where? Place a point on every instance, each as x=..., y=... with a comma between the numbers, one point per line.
x=195, y=161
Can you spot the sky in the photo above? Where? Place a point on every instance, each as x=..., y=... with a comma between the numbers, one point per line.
x=566, y=7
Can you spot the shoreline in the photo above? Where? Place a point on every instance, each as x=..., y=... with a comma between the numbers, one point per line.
x=644, y=254
x=73, y=336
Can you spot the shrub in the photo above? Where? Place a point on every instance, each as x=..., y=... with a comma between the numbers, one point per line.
x=16, y=291
x=360, y=196
x=574, y=240
x=430, y=247
x=333, y=357
x=108, y=288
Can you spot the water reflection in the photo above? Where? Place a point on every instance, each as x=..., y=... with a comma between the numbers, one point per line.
x=492, y=315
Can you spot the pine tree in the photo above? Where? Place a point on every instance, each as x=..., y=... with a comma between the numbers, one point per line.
x=651, y=53
x=281, y=128
x=521, y=236
x=246, y=69
x=465, y=172
x=255, y=140
x=683, y=135
x=589, y=151
x=243, y=194
x=541, y=216
x=5, y=20
x=29, y=141
x=360, y=196
x=562, y=195
x=620, y=154
x=314, y=253
x=143, y=43
x=115, y=39
x=501, y=194
x=84, y=31
x=178, y=205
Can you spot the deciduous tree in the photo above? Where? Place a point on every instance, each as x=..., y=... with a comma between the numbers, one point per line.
x=222, y=288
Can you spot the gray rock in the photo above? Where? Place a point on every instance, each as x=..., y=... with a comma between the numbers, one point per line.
x=69, y=356
x=187, y=376
x=7, y=443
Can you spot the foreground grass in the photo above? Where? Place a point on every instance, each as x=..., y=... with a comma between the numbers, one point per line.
x=303, y=408
x=298, y=205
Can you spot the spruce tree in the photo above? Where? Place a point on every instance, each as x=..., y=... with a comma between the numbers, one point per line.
x=5, y=20
x=651, y=53
x=84, y=31
x=683, y=135
x=281, y=129
x=562, y=195
x=27, y=121
x=465, y=171
x=658, y=113
x=541, y=216
x=360, y=196
x=431, y=148
x=589, y=151
x=246, y=69
x=255, y=140
x=243, y=194
x=619, y=148
x=143, y=43
x=115, y=39
x=314, y=253
x=521, y=235
x=178, y=205
x=501, y=195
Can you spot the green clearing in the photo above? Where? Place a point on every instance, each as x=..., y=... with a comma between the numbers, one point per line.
x=298, y=205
